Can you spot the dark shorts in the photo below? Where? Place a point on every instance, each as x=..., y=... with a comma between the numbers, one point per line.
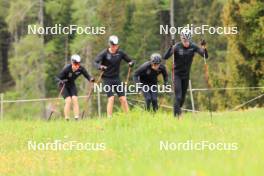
x=112, y=85
x=69, y=91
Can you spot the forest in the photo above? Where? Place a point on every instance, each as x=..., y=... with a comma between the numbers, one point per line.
x=29, y=62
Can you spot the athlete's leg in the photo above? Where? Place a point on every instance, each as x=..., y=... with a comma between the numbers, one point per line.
x=178, y=95
x=147, y=97
x=154, y=99
x=75, y=107
x=120, y=91
x=75, y=102
x=110, y=105
x=124, y=104
x=110, y=95
x=67, y=108
x=185, y=83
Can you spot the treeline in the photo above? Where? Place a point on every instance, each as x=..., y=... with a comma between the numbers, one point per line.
x=29, y=63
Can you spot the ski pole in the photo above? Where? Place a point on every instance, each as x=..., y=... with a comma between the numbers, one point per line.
x=173, y=42
x=172, y=39
x=52, y=111
x=128, y=75
x=91, y=90
x=206, y=72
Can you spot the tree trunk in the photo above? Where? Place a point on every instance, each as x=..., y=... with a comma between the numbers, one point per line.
x=164, y=17
x=5, y=77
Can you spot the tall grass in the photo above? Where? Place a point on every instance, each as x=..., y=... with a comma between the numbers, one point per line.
x=133, y=145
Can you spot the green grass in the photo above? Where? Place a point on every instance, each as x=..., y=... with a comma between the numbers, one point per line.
x=133, y=145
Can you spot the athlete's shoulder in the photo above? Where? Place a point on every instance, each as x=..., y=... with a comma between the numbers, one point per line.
x=143, y=67
x=163, y=67
x=178, y=45
x=82, y=68
x=103, y=52
x=146, y=64
x=67, y=67
x=194, y=45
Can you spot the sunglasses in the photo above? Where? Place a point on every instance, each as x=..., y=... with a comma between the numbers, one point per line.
x=76, y=64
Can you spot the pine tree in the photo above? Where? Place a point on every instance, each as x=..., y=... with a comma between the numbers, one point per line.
x=244, y=61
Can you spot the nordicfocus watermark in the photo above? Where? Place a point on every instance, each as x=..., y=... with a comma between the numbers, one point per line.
x=190, y=145
x=60, y=145
x=133, y=88
x=202, y=29
x=68, y=30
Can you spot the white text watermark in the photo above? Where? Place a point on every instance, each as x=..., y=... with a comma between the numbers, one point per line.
x=60, y=145
x=58, y=29
x=133, y=88
x=202, y=29
x=190, y=145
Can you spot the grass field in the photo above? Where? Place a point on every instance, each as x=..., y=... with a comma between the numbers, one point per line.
x=132, y=145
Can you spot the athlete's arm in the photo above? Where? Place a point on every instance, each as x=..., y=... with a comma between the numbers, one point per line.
x=85, y=74
x=201, y=51
x=168, y=53
x=164, y=74
x=63, y=74
x=61, y=78
x=126, y=57
x=138, y=72
x=99, y=59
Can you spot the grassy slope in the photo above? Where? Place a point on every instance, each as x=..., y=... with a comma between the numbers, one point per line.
x=132, y=145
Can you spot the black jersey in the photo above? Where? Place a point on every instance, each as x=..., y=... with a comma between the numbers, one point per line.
x=69, y=76
x=146, y=75
x=112, y=61
x=183, y=57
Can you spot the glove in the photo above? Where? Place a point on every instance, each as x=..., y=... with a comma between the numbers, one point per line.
x=102, y=67
x=131, y=64
x=203, y=43
x=92, y=79
x=61, y=82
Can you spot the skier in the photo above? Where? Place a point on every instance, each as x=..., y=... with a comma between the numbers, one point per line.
x=147, y=74
x=109, y=61
x=67, y=78
x=183, y=56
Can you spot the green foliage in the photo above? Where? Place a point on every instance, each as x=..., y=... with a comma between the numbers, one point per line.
x=244, y=59
x=143, y=38
x=26, y=67
x=234, y=60
x=57, y=46
x=20, y=13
